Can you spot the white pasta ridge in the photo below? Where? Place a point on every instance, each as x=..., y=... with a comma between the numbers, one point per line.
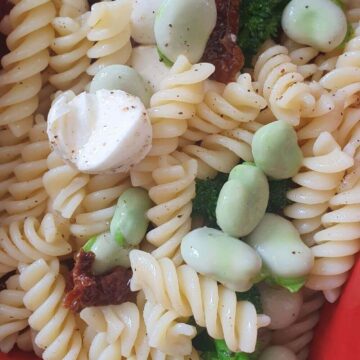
x=13, y=316
x=281, y=84
x=110, y=28
x=27, y=194
x=318, y=181
x=170, y=109
x=70, y=45
x=24, y=242
x=187, y=293
x=21, y=78
x=58, y=332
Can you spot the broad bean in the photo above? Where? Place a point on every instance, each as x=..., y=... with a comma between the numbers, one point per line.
x=122, y=77
x=108, y=254
x=282, y=306
x=276, y=151
x=243, y=200
x=287, y=259
x=221, y=257
x=321, y=24
x=129, y=223
x=183, y=27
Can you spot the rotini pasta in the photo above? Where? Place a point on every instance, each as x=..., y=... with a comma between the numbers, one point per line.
x=171, y=107
x=181, y=289
x=24, y=242
x=298, y=336
x=282, y=85
x=57, y=327
x=21, y=80
x=27, y=195
x=318, y=181
x=13, y=316
x=65, y=186
x=97, y=208
x=73, y=8
x=70, y=46
x=172, y=195
x=110, y=28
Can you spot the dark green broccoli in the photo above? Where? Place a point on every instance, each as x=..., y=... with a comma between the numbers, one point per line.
x=207, y=193
x=259, y=20
x=278, y=200
x=252, y=295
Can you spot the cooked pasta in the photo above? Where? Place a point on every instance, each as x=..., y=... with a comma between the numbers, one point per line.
x=73, y=8
x=70, y=46
x=281, y=84
x=65, y=186
x=27, y=195
x=321, y=175
x=26, y=241
x=97, y=208
x=110, y=28
x=57, y=327
x=21, y=79
x=171, y=108
x=172, y=195
x=13, y=316
x=181, y=289
x=298, y=336
x=46, y=93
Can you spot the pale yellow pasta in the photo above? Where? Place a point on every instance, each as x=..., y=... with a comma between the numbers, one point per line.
x=110, y=28
x=21, y=79
x=27, y=194
x=171, y=108
x=57, y=327
x=73, y=8
x=97, y=208
x=282, y=85
x=70, y=46
x=65, y=186
x=318, y=180
x=29, y=240
x=172, y=195
x=187, y=293
x=298, y=336
x=13, y=316
x=46, y=93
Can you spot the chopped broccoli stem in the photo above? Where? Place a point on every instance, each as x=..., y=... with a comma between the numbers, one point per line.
x=260, y=20
x=278, y=200
x=207, y=193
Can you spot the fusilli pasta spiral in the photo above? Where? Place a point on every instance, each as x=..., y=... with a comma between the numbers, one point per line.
x=171, y=108
x=13, y=315
x=21, y=80
x=70, y=46
x=58, y=332
x=299, y=335
x=181, y=289
x=73, y=8
x=24, y=242
x=28, y=197
x=282, y=85
x=110, y=28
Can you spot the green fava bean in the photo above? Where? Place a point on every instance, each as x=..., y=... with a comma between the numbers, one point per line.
x=221, y=257
x=122, y=77
x=108, y=254
x=183, y=27
x=276, y=151
x=283, y=253
x=242, y=201
x=129, y=223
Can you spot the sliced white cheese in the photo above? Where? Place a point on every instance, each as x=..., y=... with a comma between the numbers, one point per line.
x=146, y=61
x=103, y=132
x=143, y=19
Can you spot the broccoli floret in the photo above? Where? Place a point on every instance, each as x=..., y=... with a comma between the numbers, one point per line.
x=277, y=199
x=260, y=20
x=252, y=295
x=207, y=193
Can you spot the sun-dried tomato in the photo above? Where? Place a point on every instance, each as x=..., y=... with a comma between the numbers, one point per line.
x=222, y=49
x=86, y=289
